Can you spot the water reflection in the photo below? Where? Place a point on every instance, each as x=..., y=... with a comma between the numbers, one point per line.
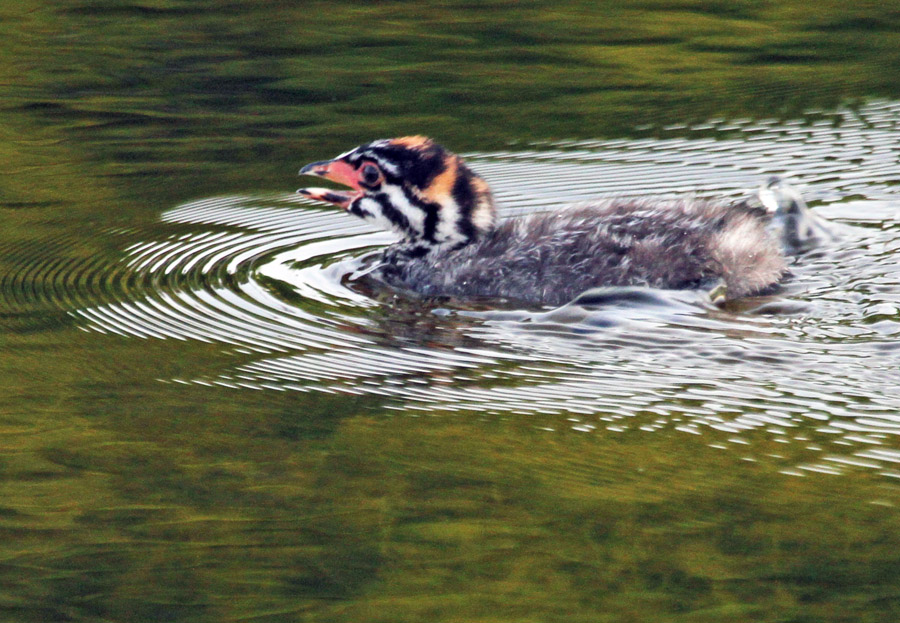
x=208, y=419
x=276, y=282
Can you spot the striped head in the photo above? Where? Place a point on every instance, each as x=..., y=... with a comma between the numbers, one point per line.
x=410, y=185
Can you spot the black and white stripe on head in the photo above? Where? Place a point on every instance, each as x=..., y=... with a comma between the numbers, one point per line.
x=427, y=194
x=379, y=209
x=413, y=159
x=357, y=158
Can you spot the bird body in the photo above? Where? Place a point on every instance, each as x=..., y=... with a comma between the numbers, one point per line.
x=453, y=246
x=550, y=259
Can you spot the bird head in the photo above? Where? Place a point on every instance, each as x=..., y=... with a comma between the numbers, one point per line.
x=410, y=185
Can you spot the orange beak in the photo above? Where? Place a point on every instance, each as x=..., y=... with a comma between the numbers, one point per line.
x=336, y=171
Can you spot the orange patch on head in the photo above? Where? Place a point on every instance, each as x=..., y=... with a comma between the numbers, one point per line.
x=441, y=186
x=412, y=142
x=481, y=187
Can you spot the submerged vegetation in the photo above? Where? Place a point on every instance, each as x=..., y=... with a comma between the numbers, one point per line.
x=124, y=496
x=230, y=512
x=265, y=84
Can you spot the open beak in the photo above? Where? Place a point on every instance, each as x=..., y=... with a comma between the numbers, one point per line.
x=337, y=171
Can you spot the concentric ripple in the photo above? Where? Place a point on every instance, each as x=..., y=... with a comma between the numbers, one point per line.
x=274, y=281
x=195, y=285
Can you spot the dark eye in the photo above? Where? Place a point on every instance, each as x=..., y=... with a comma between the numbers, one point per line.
x=369, y=174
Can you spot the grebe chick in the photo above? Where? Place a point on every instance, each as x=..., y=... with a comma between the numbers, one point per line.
x=451, y=244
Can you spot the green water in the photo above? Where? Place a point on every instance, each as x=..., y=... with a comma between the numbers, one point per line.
x=126, y=495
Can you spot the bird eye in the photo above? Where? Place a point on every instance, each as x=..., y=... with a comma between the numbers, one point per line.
x=369, y=174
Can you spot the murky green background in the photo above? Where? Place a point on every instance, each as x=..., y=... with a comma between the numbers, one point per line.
x=125, y=496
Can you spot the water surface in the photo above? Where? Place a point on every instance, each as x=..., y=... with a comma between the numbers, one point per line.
x=207, y=415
